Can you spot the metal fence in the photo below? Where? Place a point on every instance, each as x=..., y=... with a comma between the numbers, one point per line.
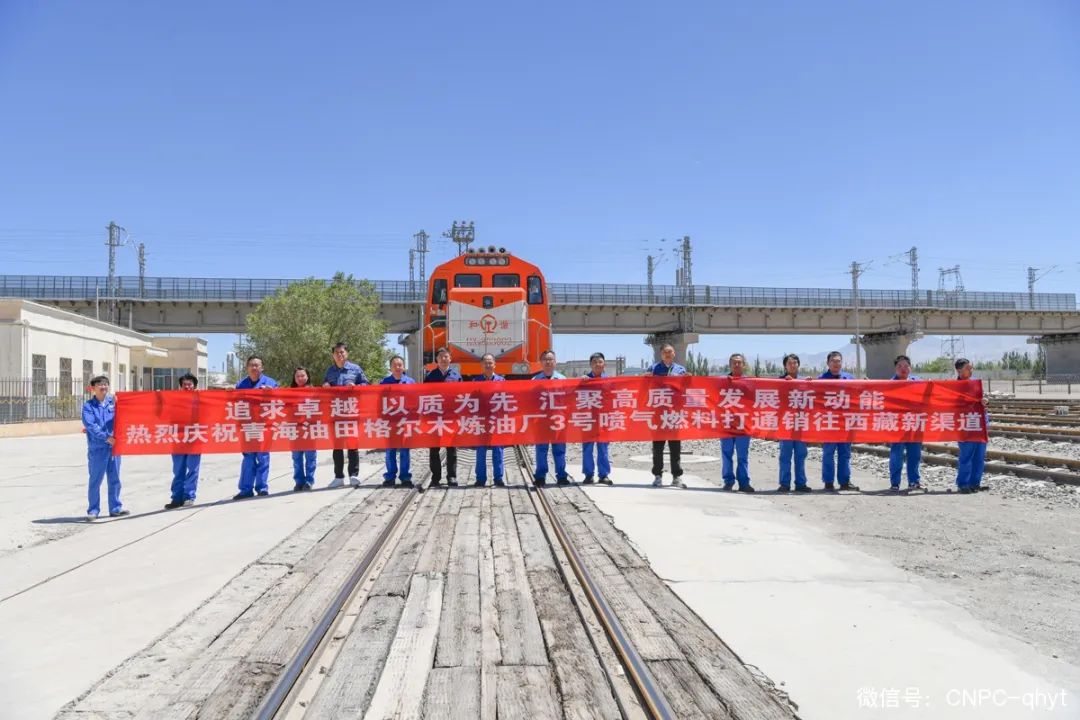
x=89, y=288
x=40, y=399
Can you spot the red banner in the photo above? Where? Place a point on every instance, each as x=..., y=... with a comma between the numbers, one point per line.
x=619, y=409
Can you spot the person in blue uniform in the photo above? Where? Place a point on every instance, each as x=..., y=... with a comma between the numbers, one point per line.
x=185, y=467
x=601, y=462
x=443, y=373
x=397, y=459
x=303, y=461
x=836, y=457
x=558, y=450
x=969, y=468
x=255, y=467
x=341, y=374
x=487, y=363
x=98, y=417
x=792, y=450
x=667, y=366
x=733, y=472
x=901, y=453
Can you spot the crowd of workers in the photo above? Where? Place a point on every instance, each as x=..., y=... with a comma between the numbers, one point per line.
x=99, y=414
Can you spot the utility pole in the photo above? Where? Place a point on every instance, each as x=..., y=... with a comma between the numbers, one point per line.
x=142, y=270
x=951, y=346
x=651, y=269
x=913, y=261
x=463, y=234
x=857, y=269
x=421, y=239
x=1033, y=277
x=110, y=287
x=412, y=270
x=687, y=275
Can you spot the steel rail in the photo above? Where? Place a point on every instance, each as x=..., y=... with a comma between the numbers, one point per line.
x=274, y=701
x=1008, y=468
x=653, y=699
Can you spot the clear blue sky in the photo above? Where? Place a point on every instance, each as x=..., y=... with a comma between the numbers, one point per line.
x=787, y=139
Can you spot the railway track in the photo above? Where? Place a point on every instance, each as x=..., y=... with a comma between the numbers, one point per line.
x=301, y=681
x=1062, y=471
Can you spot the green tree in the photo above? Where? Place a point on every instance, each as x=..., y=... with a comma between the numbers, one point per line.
x=300, y=323
x=757, y=366
x=1038, y=368
x=937, y=365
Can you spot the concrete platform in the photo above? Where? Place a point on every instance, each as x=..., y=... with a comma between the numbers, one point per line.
x=847, y=635
x=77, y=599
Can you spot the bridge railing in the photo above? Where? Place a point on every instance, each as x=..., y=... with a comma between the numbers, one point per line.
x=88, y=288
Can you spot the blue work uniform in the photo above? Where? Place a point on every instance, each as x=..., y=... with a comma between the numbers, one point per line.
x=434, y=463
x=969, y=467
x=790, y=449
x=397, y=459
x=836, y=457
x=674, y=446
x=558, y=450
x=601, y=462
x=255, y=467
x=739, y=470
x=185, y=469
x=98, y=419
x=347, y=374
x=897, y=452
x=497, y=467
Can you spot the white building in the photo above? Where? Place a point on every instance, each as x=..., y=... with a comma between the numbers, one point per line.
x=50, y=353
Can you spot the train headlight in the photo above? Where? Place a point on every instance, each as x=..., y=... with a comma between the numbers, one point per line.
x=521, y=368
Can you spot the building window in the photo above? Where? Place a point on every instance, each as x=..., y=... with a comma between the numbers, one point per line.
x=121, y=377
x=65, y=376
x=105, y=368
x=38, y=378
x=87, y=372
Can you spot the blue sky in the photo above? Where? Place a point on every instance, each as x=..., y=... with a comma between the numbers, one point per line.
x=787, y=139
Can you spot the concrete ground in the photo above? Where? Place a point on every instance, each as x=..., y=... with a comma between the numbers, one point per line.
x=859, y=606
x=845, y=628
x=76, y=599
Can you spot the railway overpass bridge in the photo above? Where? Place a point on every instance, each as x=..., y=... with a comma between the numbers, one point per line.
x=886, y=320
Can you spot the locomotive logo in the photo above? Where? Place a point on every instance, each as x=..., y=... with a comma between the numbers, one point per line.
x=488, y=323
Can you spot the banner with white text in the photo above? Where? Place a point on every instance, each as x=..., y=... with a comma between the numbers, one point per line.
x=620, y=409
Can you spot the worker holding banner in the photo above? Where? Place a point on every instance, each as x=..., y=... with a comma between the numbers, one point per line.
x=731, y=446
x=792, y=449
x=558, y=450
x=901, y=451
x=255, y=467
x=185, y=467
x=344, y=374
x=443, y=373
x=487, y=363
x=303, y=461
x=836, y=457
x=601, y=462
x=397, y=459
x=969, y=467
x=98, y=418
x=667, y=366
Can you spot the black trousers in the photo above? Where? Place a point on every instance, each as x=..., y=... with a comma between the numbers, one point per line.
x=339, y=463
x=436, y=466
x=658, y=457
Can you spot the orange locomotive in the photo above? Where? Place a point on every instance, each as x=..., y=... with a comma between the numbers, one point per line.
x=487, y=301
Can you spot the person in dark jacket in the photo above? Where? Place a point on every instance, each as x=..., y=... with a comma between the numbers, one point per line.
x=443, y=373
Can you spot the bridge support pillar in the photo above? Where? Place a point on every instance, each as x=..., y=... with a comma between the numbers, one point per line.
x=414, y=363
x=1062, y=355
x=881, y=351
x=681, y=341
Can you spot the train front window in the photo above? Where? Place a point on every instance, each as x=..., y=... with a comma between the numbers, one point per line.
x=506, y=280
x=468, y=280
x=535, y=290
x=438, y=292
